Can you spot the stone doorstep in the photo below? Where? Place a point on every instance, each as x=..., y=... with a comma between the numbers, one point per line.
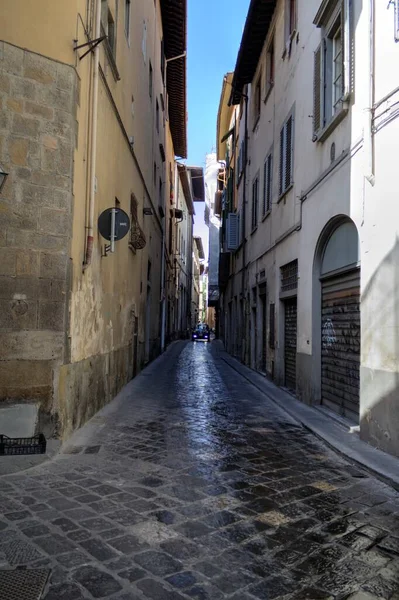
x=19, y=420
x=334, y=434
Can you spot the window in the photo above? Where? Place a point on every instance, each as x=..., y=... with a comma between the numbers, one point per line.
x=267, y=184
x=160, y=193
x=157, y=115
x=163, y=59
x=290, y=19
x=292, y=16
x=255, y=202
x=289, y=276
x=396, y=17
x=271, y=326
x=127, y=19
x=269, y=67
x=286, y=155
x=150, y=80
x=144, y=42
x=331, y=72
x=155, y=172
x=257, y=100
x=108, y=26
x=170, y=236
x=111, y=33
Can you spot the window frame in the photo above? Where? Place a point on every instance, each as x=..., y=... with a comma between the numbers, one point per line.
x=257, y=101
x=285, y=152
x=128, y=14
x=267, y=199
x=107, y=19
x=157, y=115
x=270, y=66
x=328, y=112
x=290, y=24
x=255, y=203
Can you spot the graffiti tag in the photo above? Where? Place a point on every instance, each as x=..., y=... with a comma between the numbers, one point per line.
x=328, y=334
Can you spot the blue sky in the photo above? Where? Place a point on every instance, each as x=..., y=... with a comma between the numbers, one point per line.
x=214, y=34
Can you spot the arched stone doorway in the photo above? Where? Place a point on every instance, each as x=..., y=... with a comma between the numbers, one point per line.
x=338, y=315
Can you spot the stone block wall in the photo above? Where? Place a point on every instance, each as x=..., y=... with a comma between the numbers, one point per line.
x=37, y=140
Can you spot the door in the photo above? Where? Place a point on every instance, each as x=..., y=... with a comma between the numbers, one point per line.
x=264, y=333
x=340, y=343
x=135, y=345
x=290, y=333
x=147, y=325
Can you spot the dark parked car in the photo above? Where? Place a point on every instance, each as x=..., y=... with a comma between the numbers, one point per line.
x=201, y=332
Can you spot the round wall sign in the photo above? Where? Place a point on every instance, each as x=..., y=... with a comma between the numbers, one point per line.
x=122, y=223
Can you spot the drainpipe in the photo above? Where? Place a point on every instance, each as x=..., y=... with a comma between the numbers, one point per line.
x=163, y=299
x=368, y=113
x=93, y=142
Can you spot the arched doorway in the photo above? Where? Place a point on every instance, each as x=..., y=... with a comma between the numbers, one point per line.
x=339, y=285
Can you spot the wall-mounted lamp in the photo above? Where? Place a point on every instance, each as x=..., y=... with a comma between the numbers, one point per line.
x=3, y=177
x=147, y=210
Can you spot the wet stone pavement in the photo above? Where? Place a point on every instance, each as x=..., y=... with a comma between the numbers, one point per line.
x=192, y=484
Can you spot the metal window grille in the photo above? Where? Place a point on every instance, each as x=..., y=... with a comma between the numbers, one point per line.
x=289, y=276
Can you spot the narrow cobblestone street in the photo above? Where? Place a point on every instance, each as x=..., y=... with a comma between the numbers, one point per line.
x=192, y=484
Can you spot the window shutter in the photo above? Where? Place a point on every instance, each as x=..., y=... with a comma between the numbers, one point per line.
x=264, y=209
x=232, y=231
x=269, y=183
x=289, y=153
x=317, y=92
x=281, y=182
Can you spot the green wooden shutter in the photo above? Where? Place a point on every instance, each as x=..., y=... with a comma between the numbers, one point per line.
x=317, y=117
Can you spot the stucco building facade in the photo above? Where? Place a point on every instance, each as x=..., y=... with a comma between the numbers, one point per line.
x=310, y=230
x=93, y=113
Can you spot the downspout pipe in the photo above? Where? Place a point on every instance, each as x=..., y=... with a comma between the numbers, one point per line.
x=369, y=111
x=163, y=291
x=93, y=142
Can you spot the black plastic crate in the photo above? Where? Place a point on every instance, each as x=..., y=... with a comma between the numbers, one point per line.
x=18, y=446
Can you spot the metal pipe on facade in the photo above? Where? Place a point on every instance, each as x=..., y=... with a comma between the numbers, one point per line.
x=93, y=142
x=368, y=116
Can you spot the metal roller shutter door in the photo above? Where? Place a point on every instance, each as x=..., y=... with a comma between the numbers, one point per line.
x=340, y=347
x=290, y=333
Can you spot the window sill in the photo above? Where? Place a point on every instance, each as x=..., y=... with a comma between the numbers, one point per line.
x=269, y=91
x=322, y=135
x=256, y=122
x=267, y=213
x=283, y=194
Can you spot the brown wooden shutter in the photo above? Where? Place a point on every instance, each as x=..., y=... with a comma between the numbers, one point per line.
x=289, y=152
x=317, y=91
x=281, y=182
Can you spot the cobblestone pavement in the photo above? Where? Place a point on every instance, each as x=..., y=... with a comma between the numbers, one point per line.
x=193, y=484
